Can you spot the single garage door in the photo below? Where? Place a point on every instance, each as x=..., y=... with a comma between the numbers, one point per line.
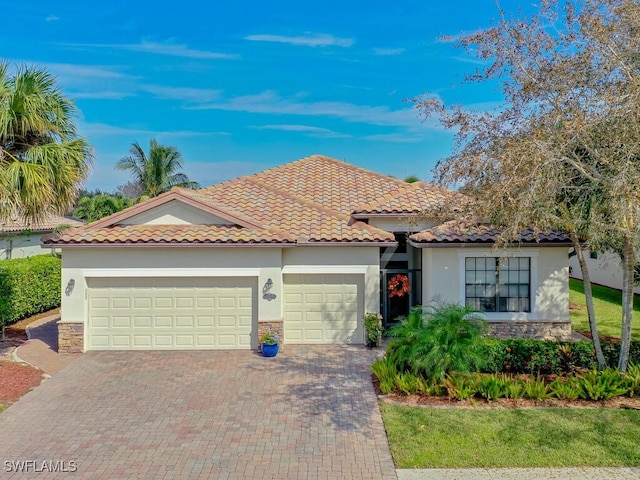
x=323, y=308
x=171, y=313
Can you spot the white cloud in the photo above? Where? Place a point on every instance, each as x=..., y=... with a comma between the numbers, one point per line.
x=51, y=18
x=81, y=72
x=104, y=129
x=183, y=93
x=307, y=40
x=306, y=129
x=393, y=138
x=388, y=51
x=158, y=48
x=100, y=94
x=269, y=102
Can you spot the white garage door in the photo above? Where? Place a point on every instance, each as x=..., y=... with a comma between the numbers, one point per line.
x=171, y=313
x=323, y=308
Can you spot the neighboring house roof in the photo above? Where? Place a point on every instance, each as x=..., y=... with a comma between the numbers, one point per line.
x=410, y=199
x=48, y=224
x=455, y=232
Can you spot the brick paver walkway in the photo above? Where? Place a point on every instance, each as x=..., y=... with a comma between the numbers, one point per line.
x=41, y=350
x=310, y=412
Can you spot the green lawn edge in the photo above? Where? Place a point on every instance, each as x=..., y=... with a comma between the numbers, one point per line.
x=607, y=304
x=421, y=437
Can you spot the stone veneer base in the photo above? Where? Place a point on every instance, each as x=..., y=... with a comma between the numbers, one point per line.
x=70, y=337
x=271, y=326
x=550, y=330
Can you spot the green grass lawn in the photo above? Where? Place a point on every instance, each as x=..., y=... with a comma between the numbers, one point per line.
x=607, y=303
x=537, y=437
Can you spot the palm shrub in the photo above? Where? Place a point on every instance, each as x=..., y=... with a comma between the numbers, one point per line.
x=445, y=338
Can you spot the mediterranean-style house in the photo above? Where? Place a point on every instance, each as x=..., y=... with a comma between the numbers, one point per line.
x=304, y=250
x=21, y=239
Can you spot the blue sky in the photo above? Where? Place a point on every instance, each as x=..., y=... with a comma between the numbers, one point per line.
x=242, y=86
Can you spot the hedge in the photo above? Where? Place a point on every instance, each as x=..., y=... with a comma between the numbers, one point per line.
x=549, y=357
x=29, y=286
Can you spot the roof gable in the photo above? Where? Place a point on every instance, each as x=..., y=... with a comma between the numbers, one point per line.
x=153, y=210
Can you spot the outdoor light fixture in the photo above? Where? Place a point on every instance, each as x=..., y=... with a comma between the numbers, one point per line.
x=70, y=285
x=266, y=290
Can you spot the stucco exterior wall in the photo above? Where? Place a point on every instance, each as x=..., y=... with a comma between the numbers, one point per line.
x=401, y=224
x=605, y=270
x=264, y=263
x=82, y=263
x=175, y=213
x=22, y=246
x=443, y=277
x=358, y=260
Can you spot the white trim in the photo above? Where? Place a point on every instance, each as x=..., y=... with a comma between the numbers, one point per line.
x=510, y=252
x=171, y=272
x=533, y=282
x=301, y=269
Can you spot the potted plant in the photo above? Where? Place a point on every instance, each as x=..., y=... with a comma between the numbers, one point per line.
x=373, y=329
x=269, y=342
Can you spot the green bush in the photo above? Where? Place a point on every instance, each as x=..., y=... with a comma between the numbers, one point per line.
x=28, y=286
x=537, y=356
x=386, y=373
x=611, y=351
x=632, y=377
x=447, y=338
x=602, y=385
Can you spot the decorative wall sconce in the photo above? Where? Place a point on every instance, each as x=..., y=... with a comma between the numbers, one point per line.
x=69, y=289
x=266, y=291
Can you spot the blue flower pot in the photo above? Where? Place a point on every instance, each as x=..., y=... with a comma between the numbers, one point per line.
x=270, y=350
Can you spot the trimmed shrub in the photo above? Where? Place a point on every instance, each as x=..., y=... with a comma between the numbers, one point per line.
x=29, y=286
x=537, y=356
x=611, y=351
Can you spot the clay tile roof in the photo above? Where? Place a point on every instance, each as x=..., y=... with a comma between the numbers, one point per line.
x=167, y=235
x=298, y=216
x=12, y=225
x=411, y=199
x=329, y=182
x=463, y=232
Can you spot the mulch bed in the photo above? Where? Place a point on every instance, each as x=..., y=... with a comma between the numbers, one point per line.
x=502, y=403
x=17, y=379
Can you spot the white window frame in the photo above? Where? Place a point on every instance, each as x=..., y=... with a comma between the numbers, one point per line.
x=533, y=285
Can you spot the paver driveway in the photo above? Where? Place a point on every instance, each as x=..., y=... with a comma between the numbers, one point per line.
x=310, y=412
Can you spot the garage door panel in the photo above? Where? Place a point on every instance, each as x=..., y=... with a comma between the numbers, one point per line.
x=142, y=322
x=163, y=302
x=121, y=322
x=163, y=321
x=323, y=308
x=176, y=320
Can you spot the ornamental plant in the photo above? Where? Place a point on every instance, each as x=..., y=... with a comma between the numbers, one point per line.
x=373, y=329
x=446, y=338
x=269, y=339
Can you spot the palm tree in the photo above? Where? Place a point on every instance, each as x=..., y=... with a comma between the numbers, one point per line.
x=43, y=162
x=158, y=171
x=99, y=206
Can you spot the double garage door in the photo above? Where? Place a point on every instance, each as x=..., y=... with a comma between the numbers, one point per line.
x=171, y=313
